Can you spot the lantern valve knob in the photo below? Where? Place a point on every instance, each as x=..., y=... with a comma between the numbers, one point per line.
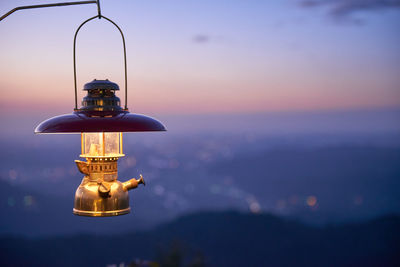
x=133, y=183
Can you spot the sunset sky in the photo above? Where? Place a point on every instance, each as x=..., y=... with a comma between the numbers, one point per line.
x=286, y=107
x=208, y=56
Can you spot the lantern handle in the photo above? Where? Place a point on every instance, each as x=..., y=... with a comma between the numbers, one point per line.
x=125, y=65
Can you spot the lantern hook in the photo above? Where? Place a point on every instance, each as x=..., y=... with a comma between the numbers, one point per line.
x=98, y=8
x=53, y=5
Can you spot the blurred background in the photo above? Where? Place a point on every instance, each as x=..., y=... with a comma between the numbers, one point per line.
x=283, y=119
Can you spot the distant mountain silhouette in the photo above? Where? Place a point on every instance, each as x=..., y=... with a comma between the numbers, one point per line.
x=219, y=239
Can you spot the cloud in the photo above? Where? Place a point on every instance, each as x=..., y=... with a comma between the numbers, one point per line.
x=343, y=8
x=204, y=39
x=201, y=39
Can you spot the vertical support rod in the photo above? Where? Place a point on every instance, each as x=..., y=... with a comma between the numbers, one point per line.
x=82, y=144
x=104, y=143
x=120, y=143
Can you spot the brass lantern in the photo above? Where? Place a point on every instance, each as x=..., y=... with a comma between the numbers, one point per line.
x=101, y=122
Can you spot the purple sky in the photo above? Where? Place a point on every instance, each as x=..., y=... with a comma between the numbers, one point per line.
x=198, y=57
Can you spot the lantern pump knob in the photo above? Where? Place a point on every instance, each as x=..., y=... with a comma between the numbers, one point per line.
x=104, y=189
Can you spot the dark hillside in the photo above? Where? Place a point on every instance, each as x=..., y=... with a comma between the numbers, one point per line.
x=220, y=239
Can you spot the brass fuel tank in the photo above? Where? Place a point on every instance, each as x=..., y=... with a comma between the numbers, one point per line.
x=100, y=193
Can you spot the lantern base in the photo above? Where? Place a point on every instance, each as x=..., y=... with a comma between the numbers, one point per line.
x=100, y=194
x=100, y=198
x=101, y=213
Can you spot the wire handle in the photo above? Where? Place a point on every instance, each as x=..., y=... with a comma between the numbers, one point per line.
x=125, y=65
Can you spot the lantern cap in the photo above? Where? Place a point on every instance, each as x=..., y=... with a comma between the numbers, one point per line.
x=100, y=84
x=101, y=96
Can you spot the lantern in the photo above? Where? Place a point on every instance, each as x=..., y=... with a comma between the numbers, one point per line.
x=101, y=122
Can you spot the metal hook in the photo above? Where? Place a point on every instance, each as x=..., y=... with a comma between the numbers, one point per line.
x=51, y=5
x=98, y=8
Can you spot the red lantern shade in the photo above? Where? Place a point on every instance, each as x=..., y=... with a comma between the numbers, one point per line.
x=100, y=112
x=78, y=122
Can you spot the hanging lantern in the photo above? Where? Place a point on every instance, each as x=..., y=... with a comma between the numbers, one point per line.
x=101, y=122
